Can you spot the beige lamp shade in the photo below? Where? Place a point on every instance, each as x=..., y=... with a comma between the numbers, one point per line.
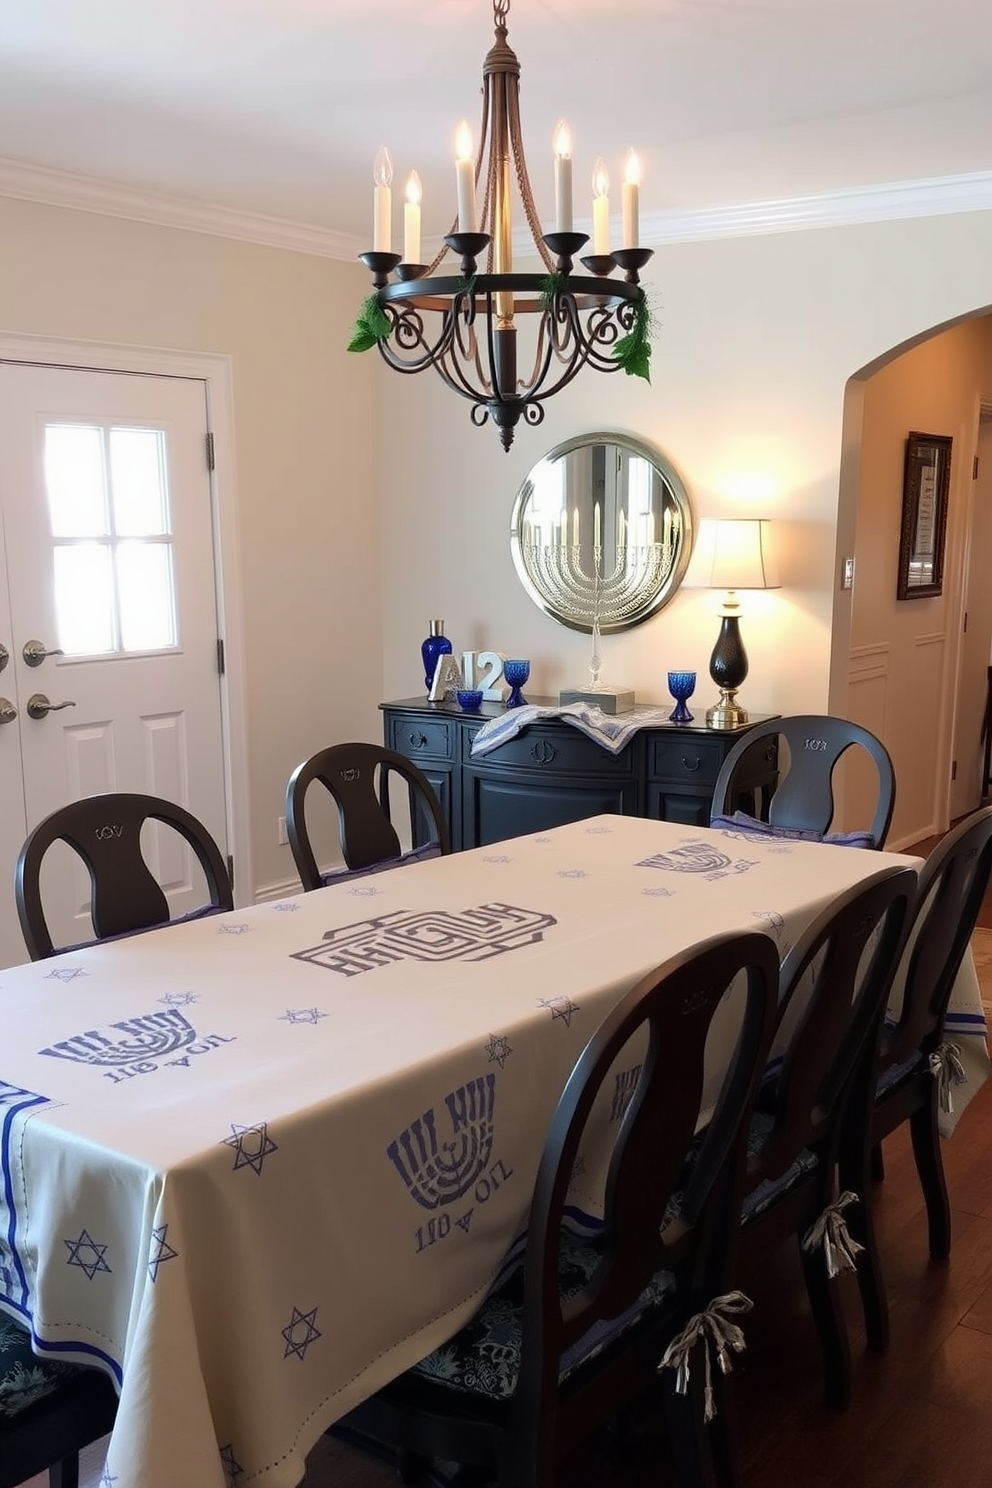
x=733, y=553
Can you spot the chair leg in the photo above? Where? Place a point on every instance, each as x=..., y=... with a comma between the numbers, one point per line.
x=824, y=1300
x=64, y=1474
x=705, y=1452
x=930, y=1166
x=871, y=1280
x=877, y=1164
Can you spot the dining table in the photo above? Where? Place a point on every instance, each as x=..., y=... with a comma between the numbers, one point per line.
x=256, y=1165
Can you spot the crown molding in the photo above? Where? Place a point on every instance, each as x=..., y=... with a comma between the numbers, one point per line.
x=930, y=197
x=56, y=188
x=934, y=196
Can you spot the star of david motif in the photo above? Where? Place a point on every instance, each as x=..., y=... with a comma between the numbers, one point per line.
x=285, y=906
x=561, y=1007
x=160, y=1251
x=252, y=1145
x=302, y=1015
x=300, y=1333
x=66, y=974
x=87, y=1255
x=364, y=891
x=498, y=1049
x=232, y=1469
x=179, y=999
x=497, y=858
x=241, y=929
x=572, y=873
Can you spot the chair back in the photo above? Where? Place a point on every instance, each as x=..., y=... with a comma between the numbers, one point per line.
x=953, y=884
x=804, y=797
x=105, y=831
x=656, y=1206
x=835, y=982
x=357, y=776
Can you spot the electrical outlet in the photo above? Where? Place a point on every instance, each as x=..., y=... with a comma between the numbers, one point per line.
x=283, y=834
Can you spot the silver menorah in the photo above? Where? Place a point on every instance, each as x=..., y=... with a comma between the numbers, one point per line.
x=594, y=598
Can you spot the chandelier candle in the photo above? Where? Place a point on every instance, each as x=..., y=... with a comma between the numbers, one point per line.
x=411, y=220
x=563, y=178
x=629, y=204
x=600, y=210
x=382, y=203
x=465, y=179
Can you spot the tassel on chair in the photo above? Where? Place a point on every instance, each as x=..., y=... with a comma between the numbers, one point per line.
x=715, y=1328
x=947, y=1070
x=830, y=1231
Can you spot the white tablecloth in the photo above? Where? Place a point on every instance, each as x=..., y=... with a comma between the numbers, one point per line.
x=258, y=1164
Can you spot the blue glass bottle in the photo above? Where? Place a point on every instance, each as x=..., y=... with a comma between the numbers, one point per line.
x=435, y=646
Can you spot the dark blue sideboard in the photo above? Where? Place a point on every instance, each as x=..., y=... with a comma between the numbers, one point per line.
x=552, y=773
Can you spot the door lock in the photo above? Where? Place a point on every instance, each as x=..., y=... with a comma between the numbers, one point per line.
x=40, y=707
x=7, y=711
x=34, y=653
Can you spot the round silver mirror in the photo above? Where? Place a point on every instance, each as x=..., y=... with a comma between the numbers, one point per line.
x=601, y=531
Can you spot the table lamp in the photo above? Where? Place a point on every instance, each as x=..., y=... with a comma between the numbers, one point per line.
x=731, y=554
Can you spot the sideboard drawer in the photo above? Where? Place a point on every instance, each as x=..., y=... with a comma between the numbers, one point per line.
x=686, y=759
x=423, y=738
x=558, y=750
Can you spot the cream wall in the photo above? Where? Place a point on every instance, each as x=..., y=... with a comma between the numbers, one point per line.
x=904, y=653
x=756, y=341
x=304, y=443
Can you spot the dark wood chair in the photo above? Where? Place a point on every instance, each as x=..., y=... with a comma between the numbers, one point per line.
x=357, y=776
x=105, y=831
x=582, y=1325
x=835, y=982
x=803, y=801
x=49, y=1411
x=915, y=1061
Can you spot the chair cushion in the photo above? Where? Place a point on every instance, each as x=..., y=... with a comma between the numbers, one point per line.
x=749, y=826
x=484, y=1358
x=415, y=855
x=769, y=1189
x=24, y=1378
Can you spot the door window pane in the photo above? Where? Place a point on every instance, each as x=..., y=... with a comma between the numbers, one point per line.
x=137, y=480
x=144, y=588
x=74, y=478
x=84, y=607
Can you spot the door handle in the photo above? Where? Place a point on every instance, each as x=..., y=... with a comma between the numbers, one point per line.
x=4, y=656
x=7, y=711
x=34, y=653
x=40, y=707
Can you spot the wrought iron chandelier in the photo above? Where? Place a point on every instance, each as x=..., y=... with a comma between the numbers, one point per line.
x=465, y=324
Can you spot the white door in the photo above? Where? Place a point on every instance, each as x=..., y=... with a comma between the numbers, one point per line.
x=108, y=537
x=972, y=686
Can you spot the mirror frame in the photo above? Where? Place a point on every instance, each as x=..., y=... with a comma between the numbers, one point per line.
x=654, y=600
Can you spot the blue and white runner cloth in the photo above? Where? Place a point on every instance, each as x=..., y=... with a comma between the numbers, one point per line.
x=613, y=732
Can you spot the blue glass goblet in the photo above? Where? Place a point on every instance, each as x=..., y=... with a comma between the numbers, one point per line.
x=681, y=685
x=516, y=673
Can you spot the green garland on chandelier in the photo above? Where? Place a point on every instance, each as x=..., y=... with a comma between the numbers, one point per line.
x=633, y=351
x=372, y=326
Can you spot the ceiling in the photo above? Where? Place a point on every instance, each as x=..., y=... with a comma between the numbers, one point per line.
x=277, y=107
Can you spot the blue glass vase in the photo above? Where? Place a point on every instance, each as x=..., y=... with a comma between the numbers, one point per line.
x=681, y=685
x=435, y=646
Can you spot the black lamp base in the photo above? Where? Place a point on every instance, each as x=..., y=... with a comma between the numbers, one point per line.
x=728, y=668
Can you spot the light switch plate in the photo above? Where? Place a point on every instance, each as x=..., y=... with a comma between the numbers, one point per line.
x=847, y=580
